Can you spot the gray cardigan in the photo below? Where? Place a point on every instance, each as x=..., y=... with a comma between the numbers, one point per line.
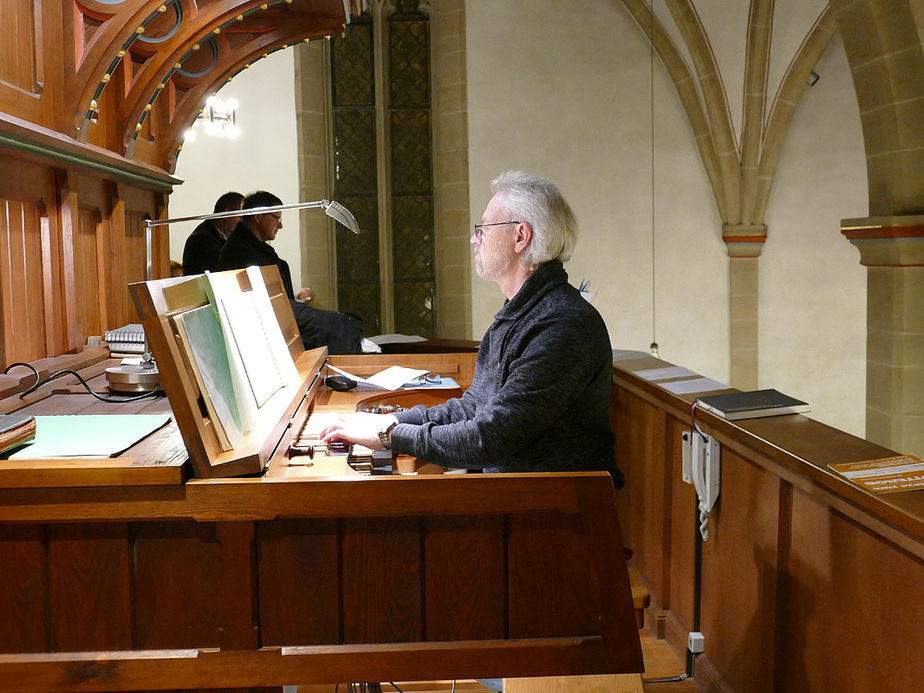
x=539, y=400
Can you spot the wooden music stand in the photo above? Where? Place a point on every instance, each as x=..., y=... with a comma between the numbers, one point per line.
x=158, y=303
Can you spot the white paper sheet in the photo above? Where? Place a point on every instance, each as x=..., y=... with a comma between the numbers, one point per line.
x=668, y=373
x=392, y=378
x=685, y=387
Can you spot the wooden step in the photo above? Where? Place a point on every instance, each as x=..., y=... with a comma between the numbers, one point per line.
x=641, y=598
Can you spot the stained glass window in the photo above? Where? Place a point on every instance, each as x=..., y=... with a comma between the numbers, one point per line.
x=408, y=193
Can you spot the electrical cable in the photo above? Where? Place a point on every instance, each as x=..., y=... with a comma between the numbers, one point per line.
x=693, y=419
x=66, y=371
x=655, y=351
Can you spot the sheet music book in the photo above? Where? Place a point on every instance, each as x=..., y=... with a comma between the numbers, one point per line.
x=126, y=340
x=15, y=429
x=131, y=333
x=219, y=286
x=201, y=335
x=752, y=405
x=260, y=361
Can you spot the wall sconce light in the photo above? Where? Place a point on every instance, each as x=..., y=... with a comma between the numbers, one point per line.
x=218, y=118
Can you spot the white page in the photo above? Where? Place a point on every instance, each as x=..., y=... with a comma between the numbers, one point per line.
x=392, y=378
x=685, y=387
x=252, y=344
x=277, y=342
x=656, y=374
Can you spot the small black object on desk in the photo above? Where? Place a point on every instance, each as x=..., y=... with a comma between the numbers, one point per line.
x=339, y=382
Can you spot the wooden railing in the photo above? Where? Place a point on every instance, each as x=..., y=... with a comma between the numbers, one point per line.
x=806, y=583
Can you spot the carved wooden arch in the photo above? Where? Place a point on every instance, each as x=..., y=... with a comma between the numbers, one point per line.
x=190, y=103
x=162, y=62
x=110, y=42
x=98, y=50
x=204, y=70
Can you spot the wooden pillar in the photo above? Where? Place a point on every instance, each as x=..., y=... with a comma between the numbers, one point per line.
x=893, y=250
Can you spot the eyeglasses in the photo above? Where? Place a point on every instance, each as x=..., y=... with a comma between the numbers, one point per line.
x=479, y=228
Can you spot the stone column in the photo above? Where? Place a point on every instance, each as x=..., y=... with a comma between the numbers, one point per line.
x=744, y=243
x=312, y=114
x=450, y=171
x=893, y=250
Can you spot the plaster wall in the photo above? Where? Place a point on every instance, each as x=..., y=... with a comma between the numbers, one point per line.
x=812, y=302
x=264, y=157
x=564, y=90
x=580, y=114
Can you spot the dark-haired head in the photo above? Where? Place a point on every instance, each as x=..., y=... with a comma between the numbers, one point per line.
x=261, y=198
x=228, y=201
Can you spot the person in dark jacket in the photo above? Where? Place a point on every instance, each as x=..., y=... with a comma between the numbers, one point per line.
x=539, y=399
x=206, y=241
x=341, y=333
x=249, y=244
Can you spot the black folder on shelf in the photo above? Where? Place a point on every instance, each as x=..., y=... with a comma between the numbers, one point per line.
x=752, y=405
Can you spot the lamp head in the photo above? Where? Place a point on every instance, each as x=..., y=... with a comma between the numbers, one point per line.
x=341, y=214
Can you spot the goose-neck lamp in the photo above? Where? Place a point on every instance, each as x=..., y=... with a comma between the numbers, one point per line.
x=332, y=208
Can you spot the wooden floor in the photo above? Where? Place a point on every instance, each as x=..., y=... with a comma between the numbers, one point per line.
x=660, y=663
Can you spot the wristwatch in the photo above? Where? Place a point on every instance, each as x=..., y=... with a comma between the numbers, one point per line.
x=385, y=435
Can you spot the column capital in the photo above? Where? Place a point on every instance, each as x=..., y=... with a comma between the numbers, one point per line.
x=744, y=240
x=887, y=241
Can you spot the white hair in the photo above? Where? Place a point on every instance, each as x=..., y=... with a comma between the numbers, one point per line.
x=538, y=202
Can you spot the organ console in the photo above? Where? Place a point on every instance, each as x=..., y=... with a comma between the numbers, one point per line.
x=285, y=561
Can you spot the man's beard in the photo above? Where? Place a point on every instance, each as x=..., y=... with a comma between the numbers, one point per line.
x=493, y=267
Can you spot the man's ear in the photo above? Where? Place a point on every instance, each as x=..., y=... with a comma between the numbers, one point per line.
x=523, y=236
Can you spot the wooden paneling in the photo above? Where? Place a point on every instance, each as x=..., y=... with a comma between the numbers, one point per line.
x=465, y=576
x=640, y=440
x=299, y=595
x=66, y=257
x=23, y=590
x=87, y=279
x=176, y=576
x=90, y=592
x=22, y=289
x=740, y=574
x=808, y=583
x=546, y=551
x=682, y=531
x=853, y=607
x=382, y=580
x=21, y=68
